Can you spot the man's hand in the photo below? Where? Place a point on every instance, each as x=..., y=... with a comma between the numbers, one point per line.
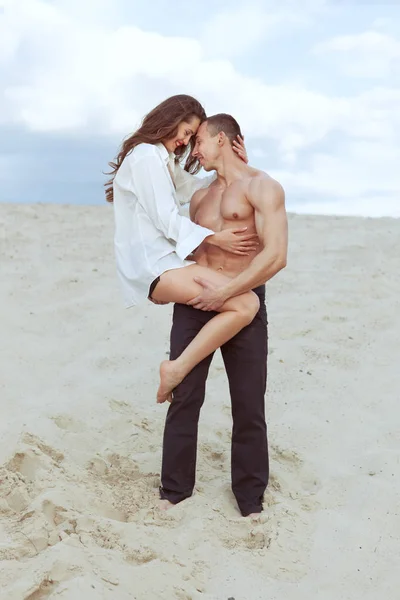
x=211, y=298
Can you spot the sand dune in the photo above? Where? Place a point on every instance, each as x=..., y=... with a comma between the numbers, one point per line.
x=80, y=436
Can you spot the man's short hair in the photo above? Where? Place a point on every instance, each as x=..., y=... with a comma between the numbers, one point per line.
x=225, y=123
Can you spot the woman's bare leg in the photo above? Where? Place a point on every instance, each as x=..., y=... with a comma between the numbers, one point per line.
x=178, y=286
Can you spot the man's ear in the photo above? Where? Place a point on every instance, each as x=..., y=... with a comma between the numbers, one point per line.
x=221, y=138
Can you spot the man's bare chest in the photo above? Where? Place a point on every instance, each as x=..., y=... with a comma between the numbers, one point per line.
x=223, y=208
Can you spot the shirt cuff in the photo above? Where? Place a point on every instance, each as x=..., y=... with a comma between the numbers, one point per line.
x=186, y=247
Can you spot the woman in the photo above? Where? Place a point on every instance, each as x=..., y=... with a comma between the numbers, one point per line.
x=153, y=240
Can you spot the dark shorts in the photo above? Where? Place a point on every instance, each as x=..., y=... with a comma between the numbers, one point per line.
x=153, y=287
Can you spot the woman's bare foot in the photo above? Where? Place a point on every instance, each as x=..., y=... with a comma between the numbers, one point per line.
x=170, y=377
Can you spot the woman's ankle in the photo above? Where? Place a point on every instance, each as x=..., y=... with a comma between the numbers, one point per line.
x=182, y=366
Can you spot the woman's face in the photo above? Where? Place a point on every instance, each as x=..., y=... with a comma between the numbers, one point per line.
x=186, y=129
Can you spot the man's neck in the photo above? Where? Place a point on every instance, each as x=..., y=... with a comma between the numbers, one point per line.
x=230, y=168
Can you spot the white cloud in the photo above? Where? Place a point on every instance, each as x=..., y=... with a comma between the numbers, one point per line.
x=64, y=71
x=381, y=23
x=258, y=153
x=363, y=179
x=367, y=54
x=74, y=73
x=232, y=33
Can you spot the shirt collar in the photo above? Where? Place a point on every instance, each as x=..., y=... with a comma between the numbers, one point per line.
x=165, y=155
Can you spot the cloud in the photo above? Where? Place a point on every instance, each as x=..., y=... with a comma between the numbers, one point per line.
x=62, y=73
x=232, y=33
x=370, y=54
x=70, y=76
x=91, y=72
x=352, y=173
x=258, y=153
x=362, y=179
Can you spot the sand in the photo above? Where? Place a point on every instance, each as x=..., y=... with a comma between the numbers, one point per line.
x=80, y=433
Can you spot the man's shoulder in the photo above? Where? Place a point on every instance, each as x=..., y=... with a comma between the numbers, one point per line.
x=256, y=178
x=262, y=177
x=264, y=189
x=260, y=181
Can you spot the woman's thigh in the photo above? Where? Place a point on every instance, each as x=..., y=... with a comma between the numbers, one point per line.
x=178, y=285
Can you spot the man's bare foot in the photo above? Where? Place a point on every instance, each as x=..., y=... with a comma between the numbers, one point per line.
x=254, y=516
x=165, y=504
x=170, y=377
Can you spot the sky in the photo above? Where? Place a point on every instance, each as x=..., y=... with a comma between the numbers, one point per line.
x=315, y=86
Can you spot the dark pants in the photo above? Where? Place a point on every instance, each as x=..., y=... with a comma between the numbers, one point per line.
x=245, y=359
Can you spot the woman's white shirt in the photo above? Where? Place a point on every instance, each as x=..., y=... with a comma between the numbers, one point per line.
x=152, y=235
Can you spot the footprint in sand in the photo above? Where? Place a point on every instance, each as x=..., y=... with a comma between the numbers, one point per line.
x=32, y=440
x=283, y=525
x=40, y=583
x=45, y=522
x=121, y=479
x=29, y=469
x=45, y=588
x=119, y=406
x=290, y=475
x=27, y=463
x=212, y=453
x=68, y=423
x=15, y=491
x=236, y=532
x=18, y=478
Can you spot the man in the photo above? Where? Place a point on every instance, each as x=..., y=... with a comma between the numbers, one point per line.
x=241, y=196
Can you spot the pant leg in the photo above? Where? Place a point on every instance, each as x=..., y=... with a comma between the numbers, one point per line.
x=180, y=434
x=245, y=358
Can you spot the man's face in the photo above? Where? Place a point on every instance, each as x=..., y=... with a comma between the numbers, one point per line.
x=206, y=148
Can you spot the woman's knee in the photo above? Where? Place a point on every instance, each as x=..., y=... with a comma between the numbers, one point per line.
x=248, y=306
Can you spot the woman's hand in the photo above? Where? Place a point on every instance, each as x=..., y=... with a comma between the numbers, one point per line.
x=240, y=149
x=235, y=241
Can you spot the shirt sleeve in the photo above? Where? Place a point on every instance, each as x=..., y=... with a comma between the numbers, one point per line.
x=187, y=184
x=153, y=189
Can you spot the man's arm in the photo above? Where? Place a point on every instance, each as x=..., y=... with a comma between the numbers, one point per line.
x=268, y=200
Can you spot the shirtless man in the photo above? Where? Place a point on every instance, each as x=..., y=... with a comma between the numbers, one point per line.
x=241, y=196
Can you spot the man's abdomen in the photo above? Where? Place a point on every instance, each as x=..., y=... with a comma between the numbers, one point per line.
x=227, y=263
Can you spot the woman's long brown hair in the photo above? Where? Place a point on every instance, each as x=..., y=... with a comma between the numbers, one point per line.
x=158, y=125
